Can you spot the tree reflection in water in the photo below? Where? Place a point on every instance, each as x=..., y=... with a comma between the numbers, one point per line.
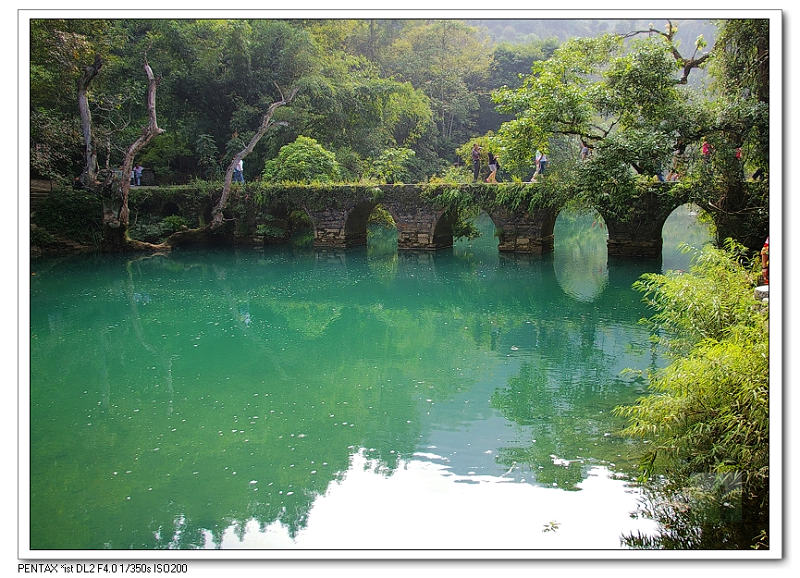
x=176, y=398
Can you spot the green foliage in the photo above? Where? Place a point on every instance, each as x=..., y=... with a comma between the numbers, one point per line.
x=173, y=223
x=449, y=61
x=303, y=161
x=272, y=228
x=740, y=68
x=708, y=413
x=155, y=231
x=621, y=99
x=461, y=174
x=164, y=153
x=71, y=214
x=351, y=164
x=312, y=196
x=55, y=144
x=208, y=157
x=41, y=237
x=485, y=143
x=464, y=228
x=710, y=302
x=472, y=198
x=392, y=165
x=382, y=217
x=705, y=515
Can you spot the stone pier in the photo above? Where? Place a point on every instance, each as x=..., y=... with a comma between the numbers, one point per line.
x=637, y=233
x=523, y=232
x=421, y=227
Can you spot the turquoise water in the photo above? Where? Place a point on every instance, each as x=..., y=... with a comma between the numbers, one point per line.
x=289, y=398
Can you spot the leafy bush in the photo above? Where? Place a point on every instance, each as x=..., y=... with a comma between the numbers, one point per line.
x=173, y=223
x=208, y=156
x=40, y=237
x=707, y=417
x=303, y=161
x=271, y=229
x=155, y=232
x=392, y=165
x=456, y=174
x=74, y=215
x=382, y=217
x=351, y=165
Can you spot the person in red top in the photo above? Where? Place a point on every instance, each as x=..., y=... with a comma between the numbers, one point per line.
x=706, y=149
x=765, y=262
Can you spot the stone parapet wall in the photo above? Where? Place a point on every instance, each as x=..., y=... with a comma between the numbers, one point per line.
x=635, y=248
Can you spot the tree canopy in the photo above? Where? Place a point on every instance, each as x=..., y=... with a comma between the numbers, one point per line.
x=619, y=109
x=302, y=161
x=365, y=86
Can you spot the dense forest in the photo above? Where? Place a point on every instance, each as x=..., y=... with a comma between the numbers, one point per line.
x=367, y=88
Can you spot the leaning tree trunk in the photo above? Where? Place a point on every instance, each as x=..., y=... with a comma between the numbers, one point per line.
x=266, y=123
x=115, y=223
x=148, y=132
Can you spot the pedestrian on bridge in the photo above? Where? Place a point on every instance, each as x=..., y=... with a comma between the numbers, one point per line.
x=541, y=163
x=494, y=164
x=476, y=161
x=137, y=175
x=238, y=172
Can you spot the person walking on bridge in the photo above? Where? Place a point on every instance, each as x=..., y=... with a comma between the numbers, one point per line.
x=476, y=161
x=494, y=164
x=541, y=163
x=238, y=172
x=137, y=175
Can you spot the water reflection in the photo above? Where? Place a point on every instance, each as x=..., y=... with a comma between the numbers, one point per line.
x=581, y=254
x=428, y=507
x=687, y=225
x=200, y=399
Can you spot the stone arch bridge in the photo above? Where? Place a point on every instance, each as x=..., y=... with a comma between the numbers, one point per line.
x=425, y=221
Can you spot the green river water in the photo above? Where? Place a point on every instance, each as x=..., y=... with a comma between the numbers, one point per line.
x=288, y=398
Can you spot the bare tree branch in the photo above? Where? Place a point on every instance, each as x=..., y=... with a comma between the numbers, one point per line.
x=687, y=64
x=266, y=124
x=148, y=132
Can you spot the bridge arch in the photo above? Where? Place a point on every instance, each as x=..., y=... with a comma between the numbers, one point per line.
x=355, y=225
x=687, y=224
x=487, y=232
